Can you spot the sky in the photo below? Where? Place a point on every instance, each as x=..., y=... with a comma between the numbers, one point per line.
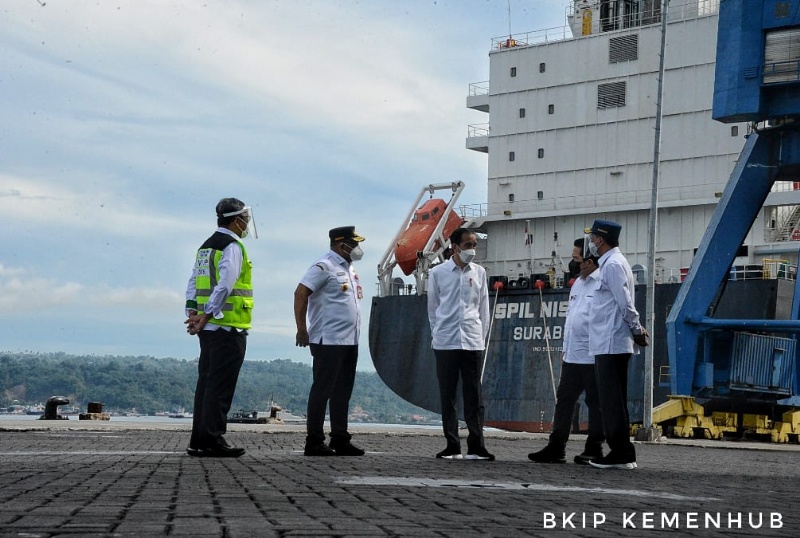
x=122, y=124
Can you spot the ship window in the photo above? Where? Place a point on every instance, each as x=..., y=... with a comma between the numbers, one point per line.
x=551, y=109
x=540, y=195
x=521, y=112
x=542, y=67
x=782, y=56
x=511, y=156
x=511, y=197
x=435, y=211
x=513, y=71
x=734, y=130
x=426, y=216
x=611, y=95
x=541, y=153
x=623, y=48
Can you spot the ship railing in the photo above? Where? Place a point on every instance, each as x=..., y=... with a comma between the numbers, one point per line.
x=589, y=201
x=535, y=37
x=477, y=129
x=474, y=211
x=769, y=269
x=479, y=88
x=777, y=72
x=678, y=10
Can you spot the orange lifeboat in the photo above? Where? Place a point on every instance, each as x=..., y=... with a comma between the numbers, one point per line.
x=416, y=236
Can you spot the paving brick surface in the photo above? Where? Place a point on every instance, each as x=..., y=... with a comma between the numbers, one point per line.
x=126, y=481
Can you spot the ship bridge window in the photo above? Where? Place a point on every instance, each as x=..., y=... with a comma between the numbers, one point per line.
x=623, y=48
x=611, y=95
x=782, y=56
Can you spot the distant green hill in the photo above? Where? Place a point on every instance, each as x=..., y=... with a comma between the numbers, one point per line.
x=150, y=385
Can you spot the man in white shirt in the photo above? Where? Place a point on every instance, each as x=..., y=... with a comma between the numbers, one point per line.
x=577, y=370
x=219, y=305
x=458, y=311
x=614, y=334
x=329, y=295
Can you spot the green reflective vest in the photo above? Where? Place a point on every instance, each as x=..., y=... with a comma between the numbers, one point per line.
x=238, y=308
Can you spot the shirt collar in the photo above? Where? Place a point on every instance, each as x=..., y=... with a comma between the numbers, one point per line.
x=607, y=255
x=454, y=267
x=338, y=259
x=228, y=232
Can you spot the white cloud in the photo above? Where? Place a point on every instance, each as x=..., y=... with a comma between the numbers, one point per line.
x=125, y=122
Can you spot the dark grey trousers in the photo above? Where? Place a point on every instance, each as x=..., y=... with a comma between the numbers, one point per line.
x=221, y=357
x=450, y=365
x=334, y=375
x=612, y=386
x=575, y=379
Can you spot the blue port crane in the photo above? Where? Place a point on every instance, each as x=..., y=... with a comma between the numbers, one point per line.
x=758, y=81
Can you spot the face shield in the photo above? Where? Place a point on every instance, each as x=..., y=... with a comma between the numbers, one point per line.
x=587, y=241
x=589, y=248
x=248, y=223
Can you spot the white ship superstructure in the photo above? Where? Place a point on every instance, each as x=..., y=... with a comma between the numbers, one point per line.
x=570, y=138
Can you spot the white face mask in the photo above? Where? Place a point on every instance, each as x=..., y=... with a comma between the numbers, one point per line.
x=467, y=256
x=356, y=254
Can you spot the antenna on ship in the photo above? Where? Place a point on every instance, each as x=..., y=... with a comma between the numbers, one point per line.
x=509, y=19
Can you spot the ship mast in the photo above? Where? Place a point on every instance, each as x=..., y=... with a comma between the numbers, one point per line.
x=648, y=432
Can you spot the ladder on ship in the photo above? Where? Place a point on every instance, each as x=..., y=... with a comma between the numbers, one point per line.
x=787, y=230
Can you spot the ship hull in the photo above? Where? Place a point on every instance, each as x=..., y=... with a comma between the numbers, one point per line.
x=523, y=361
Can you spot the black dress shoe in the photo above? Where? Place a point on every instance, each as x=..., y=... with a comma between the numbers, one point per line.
x=346, y=449
x=587, y=456
x=318, y=450
x=220, y=451
x=195, y=452
x=548, y=455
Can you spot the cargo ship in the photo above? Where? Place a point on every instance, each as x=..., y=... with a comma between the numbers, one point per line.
x=570, y=138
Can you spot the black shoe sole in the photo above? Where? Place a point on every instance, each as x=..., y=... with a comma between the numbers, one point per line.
x=549, y=460
x=318, y=452
x=225, y=452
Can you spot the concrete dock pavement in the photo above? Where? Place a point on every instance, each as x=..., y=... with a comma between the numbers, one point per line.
x=85, y=478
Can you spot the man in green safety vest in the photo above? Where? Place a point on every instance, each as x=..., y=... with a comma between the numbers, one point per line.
x=219, y=305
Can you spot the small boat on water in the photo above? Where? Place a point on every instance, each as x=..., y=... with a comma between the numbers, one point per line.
x=35, y=410
x=247, y=417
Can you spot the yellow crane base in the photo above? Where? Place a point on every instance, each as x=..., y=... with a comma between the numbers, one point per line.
x=683, y=417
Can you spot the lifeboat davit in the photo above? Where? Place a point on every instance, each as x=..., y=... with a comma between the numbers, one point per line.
x=418, y=233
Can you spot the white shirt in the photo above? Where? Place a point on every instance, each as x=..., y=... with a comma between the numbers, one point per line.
x=230, y=266
x=614, y=318
x=458, y=306
x=334, y=306
x=576, y=327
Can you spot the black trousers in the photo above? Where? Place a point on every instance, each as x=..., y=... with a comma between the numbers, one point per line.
x=334, y=375
x=575, y=379
x=450, y=364
x=612, y=385
x=221, y=357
